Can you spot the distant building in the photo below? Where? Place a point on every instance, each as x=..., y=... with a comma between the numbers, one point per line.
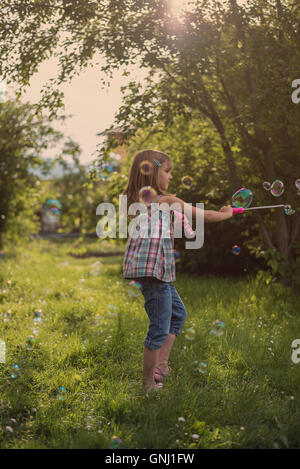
x=51, y=215
x=49, y=226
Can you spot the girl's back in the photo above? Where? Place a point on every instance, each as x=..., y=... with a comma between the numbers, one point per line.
x=150, y=253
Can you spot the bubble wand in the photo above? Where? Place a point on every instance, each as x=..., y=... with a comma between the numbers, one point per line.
x=242, y=209
x=243, y=198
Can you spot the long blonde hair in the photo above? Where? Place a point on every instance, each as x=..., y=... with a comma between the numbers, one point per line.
x=138, y=179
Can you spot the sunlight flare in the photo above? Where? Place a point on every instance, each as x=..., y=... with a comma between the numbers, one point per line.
x=177, y=7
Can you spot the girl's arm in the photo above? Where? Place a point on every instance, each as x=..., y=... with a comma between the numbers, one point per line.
x=209, y=215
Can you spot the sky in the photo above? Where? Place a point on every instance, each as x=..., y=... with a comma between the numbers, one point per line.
x=92, y=107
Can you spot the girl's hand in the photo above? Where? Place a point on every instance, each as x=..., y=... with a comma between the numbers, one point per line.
x=227, y=209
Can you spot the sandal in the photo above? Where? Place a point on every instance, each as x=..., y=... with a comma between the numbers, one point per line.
x=159, y=376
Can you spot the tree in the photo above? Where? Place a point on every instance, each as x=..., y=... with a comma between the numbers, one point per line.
x=230, y=63
x=80, y=192
x=23, y=137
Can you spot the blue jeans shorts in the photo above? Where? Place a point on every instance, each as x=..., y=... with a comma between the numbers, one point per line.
x=164, y=308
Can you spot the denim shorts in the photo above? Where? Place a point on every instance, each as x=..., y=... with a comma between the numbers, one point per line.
x=164, y=308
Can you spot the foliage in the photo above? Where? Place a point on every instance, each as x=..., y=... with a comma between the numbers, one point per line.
x=80, y=190
x=217, y=76
x=228, y=64
x=23, y=136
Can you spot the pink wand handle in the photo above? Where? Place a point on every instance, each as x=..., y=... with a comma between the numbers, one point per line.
x=238, y=210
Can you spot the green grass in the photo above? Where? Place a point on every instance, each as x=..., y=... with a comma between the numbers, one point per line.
x=248, y=398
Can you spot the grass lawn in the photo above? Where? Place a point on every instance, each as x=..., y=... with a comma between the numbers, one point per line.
x=79, y=378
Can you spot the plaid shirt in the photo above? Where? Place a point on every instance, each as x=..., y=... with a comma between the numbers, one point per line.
x=150, y=252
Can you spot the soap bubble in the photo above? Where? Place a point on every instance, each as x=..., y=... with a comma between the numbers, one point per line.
x=134, y=257
x=94, y=272
x=277, y=188
x=146, y=167
x=242, y=198
x=29, y=342
x=103, y=170
x=109, y=168
x=133, y=289
x=112, y=311
x=176, y=254
x=137, y=284
x=297, y=184
x=147, y=195
x=115, y=442
x=236, y=250
x=190, y=333
x=98, y=319
x=288, y=209
x=60, y=393
x=187, y=181
x=15, y=371
x=37, y=316
x=202, y=367
x=218, y=328
x=267, y=185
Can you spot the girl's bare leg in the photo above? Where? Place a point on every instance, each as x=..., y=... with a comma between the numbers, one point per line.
x=151, y=359
x=165, y=353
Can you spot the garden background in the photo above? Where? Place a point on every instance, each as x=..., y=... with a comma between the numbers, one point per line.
x=220, y=97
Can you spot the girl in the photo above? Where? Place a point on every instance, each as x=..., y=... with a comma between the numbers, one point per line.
x=150, y=261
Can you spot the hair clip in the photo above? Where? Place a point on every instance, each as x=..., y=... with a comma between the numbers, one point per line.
x=157, y=162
